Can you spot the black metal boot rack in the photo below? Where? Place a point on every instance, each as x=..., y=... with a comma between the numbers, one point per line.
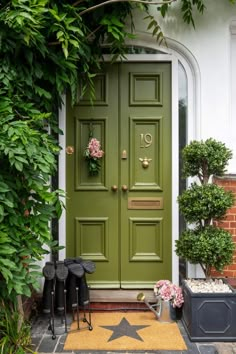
x=86, y=305
x=83, y=307
x=75, y=312
x=51, y=325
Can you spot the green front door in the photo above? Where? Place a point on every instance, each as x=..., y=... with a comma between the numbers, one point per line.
x=121, y=218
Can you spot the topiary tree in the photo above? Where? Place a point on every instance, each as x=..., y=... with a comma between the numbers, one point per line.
x=202, y=204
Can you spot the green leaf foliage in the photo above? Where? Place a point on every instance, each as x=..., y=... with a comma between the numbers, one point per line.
x=46, y=49
x=210, y=247
x=204, y=203
x=187, y=7
x=204, y=159
x=155, y=27
x=13, y=340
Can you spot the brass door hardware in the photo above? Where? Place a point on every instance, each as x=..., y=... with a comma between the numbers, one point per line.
x=145, y=162
x=70, y=150
x=124, y=155
x=148, y=203
x=124, y=188
x=114, y=188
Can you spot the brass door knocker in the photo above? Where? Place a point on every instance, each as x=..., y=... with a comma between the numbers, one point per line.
x=145, y=162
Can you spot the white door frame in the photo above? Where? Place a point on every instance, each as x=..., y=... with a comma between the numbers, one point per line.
x=175, y=53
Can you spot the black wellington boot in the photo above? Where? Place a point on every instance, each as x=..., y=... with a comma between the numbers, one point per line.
x=89, y=266
x=61, y=276
x=83, y=291
x=76, y=271
x=47, y=295
x=49, y=275
x=71, y=284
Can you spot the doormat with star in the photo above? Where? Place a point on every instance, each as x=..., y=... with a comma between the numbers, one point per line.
x=125, y=331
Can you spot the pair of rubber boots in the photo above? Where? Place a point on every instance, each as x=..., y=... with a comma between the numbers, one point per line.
x=65, y=283
x=54, y=286
x=76, y=284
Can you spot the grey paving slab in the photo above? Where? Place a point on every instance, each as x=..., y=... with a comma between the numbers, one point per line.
x=207, y=349
x=39, y=326
x=225, y=348
x=60, y=344
x=47, y=345
x=35, y=342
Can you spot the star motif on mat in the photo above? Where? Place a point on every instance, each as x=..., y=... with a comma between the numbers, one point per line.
x=124, y=328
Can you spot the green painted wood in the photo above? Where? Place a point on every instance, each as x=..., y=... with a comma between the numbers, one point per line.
x=145, y=124
x=131, y=247
x=92, y=208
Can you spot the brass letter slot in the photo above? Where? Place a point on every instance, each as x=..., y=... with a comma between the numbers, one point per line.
x=145, y=203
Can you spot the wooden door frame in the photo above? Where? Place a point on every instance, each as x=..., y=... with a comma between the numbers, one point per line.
x=173, y=58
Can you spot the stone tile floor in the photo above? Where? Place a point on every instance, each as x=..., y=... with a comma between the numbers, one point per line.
x=43, y=342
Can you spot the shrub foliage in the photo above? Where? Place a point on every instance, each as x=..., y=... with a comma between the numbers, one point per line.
x=202, y=204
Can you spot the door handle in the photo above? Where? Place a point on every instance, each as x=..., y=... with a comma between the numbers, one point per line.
x=114, y=188
x=124, y=188
x=70, y=150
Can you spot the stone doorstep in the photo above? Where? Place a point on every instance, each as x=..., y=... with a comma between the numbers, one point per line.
x=119, y=295
x=114, y=299
x=117, y=299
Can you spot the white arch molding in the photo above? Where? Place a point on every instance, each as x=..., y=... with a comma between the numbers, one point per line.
x=175, y=53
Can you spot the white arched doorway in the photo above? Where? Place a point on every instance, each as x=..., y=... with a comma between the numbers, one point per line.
x=184, y=65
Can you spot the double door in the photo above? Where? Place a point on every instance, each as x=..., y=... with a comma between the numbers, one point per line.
x=121, y=217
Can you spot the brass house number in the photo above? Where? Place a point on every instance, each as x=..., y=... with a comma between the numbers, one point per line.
x=145, y=142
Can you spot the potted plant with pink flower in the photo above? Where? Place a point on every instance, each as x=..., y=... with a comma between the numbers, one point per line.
x=169, y=299
x=168, y=291
x=93, y=153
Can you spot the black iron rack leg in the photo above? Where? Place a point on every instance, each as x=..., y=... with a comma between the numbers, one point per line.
x=52, y=325
x=77, y=307
x=65, y=310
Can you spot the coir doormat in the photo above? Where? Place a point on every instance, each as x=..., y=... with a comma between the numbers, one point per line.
x=125, y=331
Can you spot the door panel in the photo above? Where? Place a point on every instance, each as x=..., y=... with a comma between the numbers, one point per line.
x=92, y=208
x=127, y=232
x=146, y=206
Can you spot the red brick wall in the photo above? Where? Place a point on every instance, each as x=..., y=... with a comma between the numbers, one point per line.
x=228, y=182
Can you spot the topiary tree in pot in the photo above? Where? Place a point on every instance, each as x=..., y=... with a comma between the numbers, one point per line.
x=206, y=316
x=202, y=204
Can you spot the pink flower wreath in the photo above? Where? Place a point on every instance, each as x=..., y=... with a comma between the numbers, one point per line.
x=92, y=154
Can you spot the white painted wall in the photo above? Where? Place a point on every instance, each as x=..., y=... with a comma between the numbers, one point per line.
x=214, y=48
